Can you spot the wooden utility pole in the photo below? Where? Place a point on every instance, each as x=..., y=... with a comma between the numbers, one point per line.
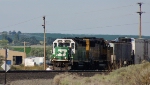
x=140, y=13
x=25, y=45
x=5, y=65
x=44, y=45
x=24, y=51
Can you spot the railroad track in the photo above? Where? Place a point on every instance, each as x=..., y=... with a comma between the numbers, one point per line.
x=26, y=71
x=42, y=74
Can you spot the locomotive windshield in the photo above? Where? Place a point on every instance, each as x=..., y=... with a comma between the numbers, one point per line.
x=63, y=44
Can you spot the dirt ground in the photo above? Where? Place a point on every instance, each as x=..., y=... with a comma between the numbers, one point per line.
x=33, y=82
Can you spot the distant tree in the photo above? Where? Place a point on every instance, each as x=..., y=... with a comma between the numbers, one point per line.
x=9, y=39
x=10, y=32
x=4, y=36
x=49, y=40
x=19, y=32
x=39, y=52
x=23, y=38
x=48, y=52
x=3, y=42
x=14, y=32
x=16, y=37
x=33, y=41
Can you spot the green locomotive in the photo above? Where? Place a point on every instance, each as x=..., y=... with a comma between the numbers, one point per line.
x=63, y=52
x=81, y=53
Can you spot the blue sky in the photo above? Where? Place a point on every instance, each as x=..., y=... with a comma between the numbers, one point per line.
x=75, y=16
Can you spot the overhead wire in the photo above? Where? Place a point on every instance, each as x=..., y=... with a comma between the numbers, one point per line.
x=83, y=12
x=109, y=17
x=74, y=13
x=112, y=8
x=100, y=10
x=21, y=22
x=99, y=27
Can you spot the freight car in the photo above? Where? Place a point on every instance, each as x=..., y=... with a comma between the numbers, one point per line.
x=86, y=53
x=122, y=53
x=140, y=50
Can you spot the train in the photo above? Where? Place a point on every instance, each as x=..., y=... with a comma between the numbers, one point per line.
x=91, y=53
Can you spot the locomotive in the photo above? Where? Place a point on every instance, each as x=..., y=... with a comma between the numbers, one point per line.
x=89, y=53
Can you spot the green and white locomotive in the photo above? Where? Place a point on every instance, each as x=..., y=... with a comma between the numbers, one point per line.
x=63, y=50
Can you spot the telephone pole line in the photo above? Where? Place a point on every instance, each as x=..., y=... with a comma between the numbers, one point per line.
x=24, y=45
x=140, y=13
x=44, y=45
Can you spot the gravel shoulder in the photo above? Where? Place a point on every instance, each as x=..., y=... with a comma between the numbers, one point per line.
x=33, y=82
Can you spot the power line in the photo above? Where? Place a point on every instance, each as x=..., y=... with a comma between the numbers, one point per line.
x=20, y=22
x=112, y=17
x=117, y=7
x=74, y=13
x=112, y=8
x=99, y=27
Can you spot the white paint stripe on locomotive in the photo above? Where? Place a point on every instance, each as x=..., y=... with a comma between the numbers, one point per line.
x=59, y=60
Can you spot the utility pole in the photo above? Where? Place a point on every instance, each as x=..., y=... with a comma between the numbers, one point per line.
x=140, y=13
x=44, y=45
x=24, y=51
x=5, y=65
x=25, y=45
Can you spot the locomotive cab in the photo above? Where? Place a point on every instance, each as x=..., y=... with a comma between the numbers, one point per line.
x=63, y=50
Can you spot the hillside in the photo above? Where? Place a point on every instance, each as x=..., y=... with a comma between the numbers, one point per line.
x=39, y=36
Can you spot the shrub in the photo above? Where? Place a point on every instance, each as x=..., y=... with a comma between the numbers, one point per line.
x=138, y=74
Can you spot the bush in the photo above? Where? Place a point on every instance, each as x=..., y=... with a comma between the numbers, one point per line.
x=138, y=74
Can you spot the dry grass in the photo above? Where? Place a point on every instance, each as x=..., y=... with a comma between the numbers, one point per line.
x=33, y=82
x=132, y=75
x=21, y=67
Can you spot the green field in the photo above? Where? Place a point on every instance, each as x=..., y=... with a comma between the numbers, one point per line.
x=21, y=49
x=32, y=46
x=28, y=48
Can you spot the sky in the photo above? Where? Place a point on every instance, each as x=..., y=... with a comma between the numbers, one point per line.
x=112, y=17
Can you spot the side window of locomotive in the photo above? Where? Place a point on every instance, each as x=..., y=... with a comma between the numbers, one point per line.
x=55, y=45
x=72, y=45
